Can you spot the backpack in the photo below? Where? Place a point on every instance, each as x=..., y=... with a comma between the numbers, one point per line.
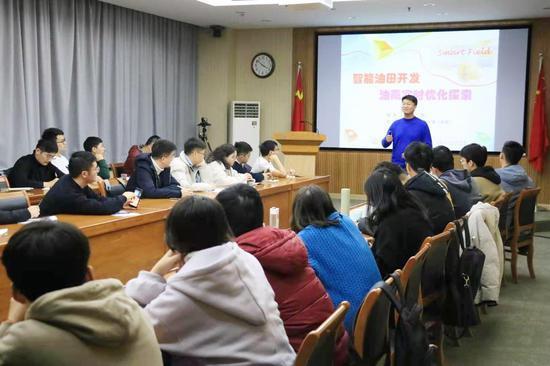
x=411, y=345
x=464, y=274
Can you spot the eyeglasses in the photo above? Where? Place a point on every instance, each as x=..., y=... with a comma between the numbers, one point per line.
x=48, y=156
x=61, y=141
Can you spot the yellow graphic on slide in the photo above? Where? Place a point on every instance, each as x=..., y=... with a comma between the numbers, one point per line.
x=468, y=72
x=383, y=49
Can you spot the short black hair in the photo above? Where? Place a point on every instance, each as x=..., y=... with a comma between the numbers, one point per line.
x=243, y=147
x=46, y=256
x=311, y=206
x=392, y=167
x=475, y=153
x=47, y=146
x=419, y=156
x=267, y=146
x=243, y=207
x=52, y=133
x=80, y=161
x=91, y=142
x=220, y=153
x=443, y=158
x=513, y=152
x=152, y=140
x=412, y=98
x=196, y=223
x=162, y=148
x=193, y=144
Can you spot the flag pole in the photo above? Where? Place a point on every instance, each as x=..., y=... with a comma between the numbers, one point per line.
x=541, y=58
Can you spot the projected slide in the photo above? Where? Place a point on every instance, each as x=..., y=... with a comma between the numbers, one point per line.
x=467, y=87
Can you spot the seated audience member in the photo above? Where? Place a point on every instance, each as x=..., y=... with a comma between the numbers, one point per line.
x=473, y=158
x=401, y=222
x=394, y=168
x=218, y=308
x=513, y=177
x=59, y=161
x=459, y=183
x=36, y=170
x=152, y=172
x=189, y=165
x=336, y=249
x=428, y=189
x=219, y=171
x=71, y=195
x=135, y=150
x=19, y=215
x=268, y=161
x=59, y=314
x=243, y=155
x=303, y=301
x=95, y=145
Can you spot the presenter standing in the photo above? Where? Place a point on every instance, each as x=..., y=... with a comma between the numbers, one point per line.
x=406, y=130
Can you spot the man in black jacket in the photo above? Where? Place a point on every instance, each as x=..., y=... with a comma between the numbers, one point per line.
x=428, y=189
x=462, y=188
x=152, y=172
x=71, y=194
x=36, y=170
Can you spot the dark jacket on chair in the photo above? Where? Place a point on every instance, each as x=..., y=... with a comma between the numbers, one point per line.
x=14, y=216
x=145, y=177
x=433, y=195
x=67, y=197
x=398, y=237
x=28, y=172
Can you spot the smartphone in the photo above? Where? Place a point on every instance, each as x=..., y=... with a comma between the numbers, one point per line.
x=135, y=202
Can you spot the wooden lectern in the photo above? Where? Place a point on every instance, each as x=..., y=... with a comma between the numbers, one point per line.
x=300, y=149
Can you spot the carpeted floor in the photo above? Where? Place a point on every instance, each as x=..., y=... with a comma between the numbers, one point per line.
x=517, y=331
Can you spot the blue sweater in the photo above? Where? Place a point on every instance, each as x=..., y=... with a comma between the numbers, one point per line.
x=343, y=262
x=405, y=131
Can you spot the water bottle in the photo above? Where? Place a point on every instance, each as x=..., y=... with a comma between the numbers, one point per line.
x=274, y=217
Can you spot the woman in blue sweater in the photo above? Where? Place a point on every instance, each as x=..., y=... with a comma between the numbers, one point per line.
x=336, y=249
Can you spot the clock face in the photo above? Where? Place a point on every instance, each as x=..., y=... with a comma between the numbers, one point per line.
x=263, y=65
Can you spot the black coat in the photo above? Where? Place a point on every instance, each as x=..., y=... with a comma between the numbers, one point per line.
x=433, y=195
x=14, y=216
x=398, y=237
x=28, y=172
x=153, y=185
x=67, y=197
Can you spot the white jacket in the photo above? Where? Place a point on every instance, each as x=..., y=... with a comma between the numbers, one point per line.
x=485, y=235
x=218, y=309
x=184, y=172
x=216, y=174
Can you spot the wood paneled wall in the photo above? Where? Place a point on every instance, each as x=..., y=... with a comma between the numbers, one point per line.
x=350, y=168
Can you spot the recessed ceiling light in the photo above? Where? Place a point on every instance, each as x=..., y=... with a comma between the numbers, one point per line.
x=265, y=20
x=429, y=4
x=443, y=14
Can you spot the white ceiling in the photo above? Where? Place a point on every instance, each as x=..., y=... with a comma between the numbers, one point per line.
x=364, y=12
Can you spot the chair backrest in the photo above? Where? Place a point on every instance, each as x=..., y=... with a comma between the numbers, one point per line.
x=102, y=189
x=433, y=272
x=4, y=183
x=371, y=331
x=13, y=200
x=411, y=278
x=317, y=348
x=502, y=203
x=524, y=211
x=117, y=169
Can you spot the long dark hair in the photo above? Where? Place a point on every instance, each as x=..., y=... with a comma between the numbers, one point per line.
x=312, y=206
x=220, y=153
x=386, y=195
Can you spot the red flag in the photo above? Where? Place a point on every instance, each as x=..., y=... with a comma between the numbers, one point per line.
x=298, y=113
x=538, y=141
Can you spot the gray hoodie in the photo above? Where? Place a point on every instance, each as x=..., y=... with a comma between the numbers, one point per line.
x=91, y=324
x=463, y=190
x=218, y=309
x=513, y=178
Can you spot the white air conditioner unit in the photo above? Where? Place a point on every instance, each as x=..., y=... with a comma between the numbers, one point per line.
x=244, y=125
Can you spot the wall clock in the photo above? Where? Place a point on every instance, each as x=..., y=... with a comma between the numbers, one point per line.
x=263, y=65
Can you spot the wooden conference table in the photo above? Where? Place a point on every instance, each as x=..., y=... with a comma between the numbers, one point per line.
x=121, y=246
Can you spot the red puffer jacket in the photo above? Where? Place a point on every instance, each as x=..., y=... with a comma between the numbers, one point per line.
x=303, y=301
